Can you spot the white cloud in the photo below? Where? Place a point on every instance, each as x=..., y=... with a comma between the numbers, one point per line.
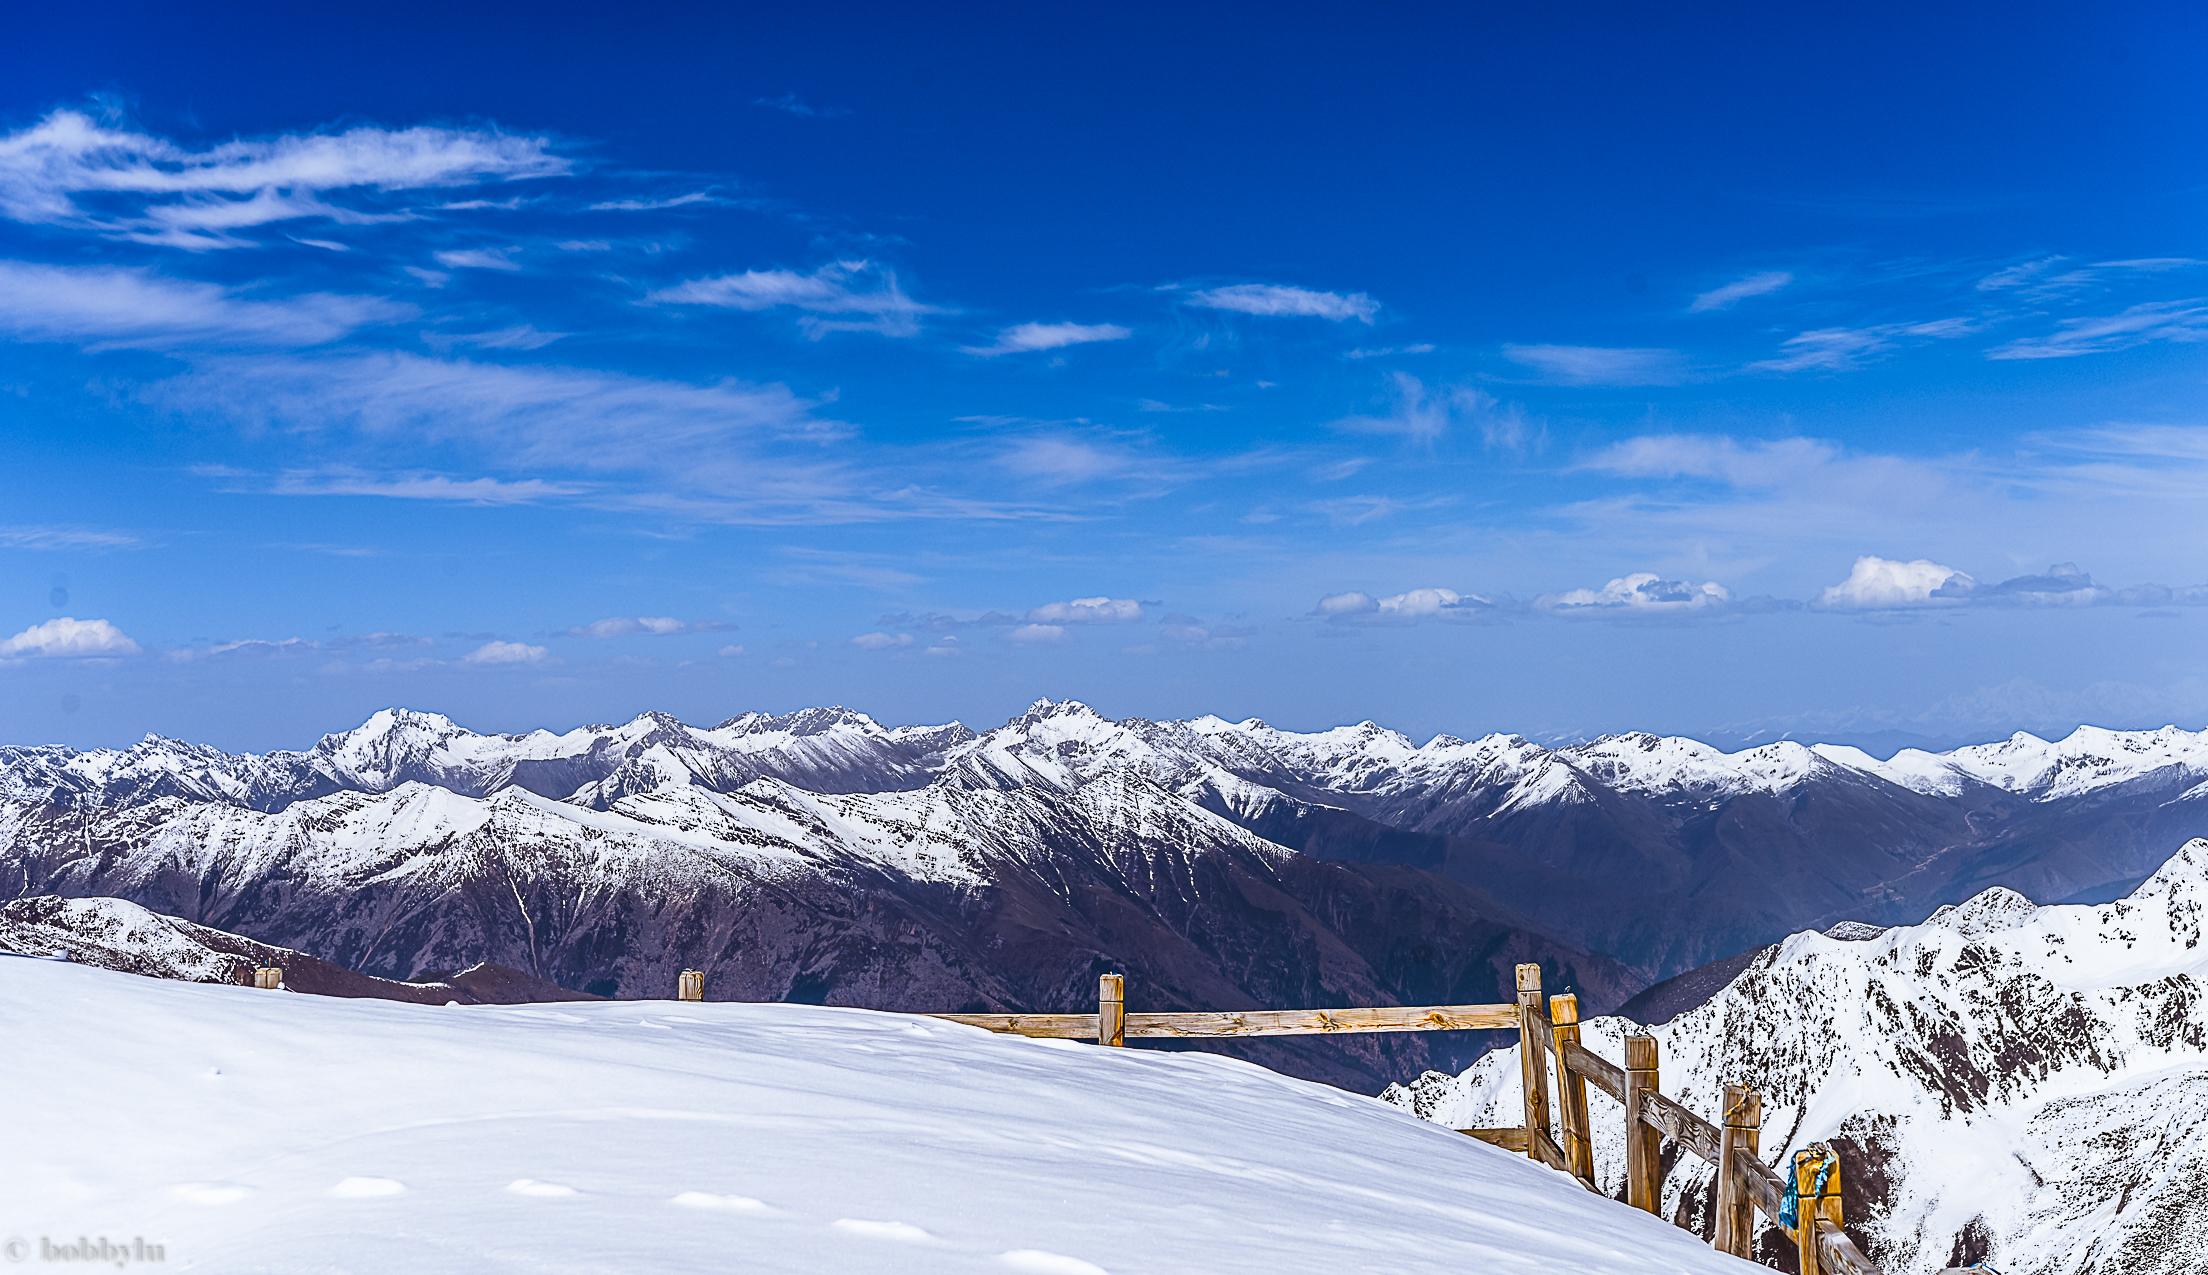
x=1599, y=364
x=1027, y=337
x=1878, y=583
x=477, y=259
x=1642, y=591
x=1726, y=296
x=626, y=625
x=2175, y=321
x=881, y=641
x=506, y=653
x=1845, y=349
x=1354, y=602
x=1416, y=604
x=687, y=200
x=489, y=492
x=65, y=538
x=108, y=306
x=731, y=651
x=1753, y=463
x=1389, y=351
x=864, y=295
x=1423, y=415
x=67, y=637
x=70, y=169
x=521, y=336
x=1273, y=300
x=1097, y=610
x=1037, y=634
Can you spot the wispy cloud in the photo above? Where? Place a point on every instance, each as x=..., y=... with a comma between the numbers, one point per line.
x=405, y=486
x=1600, y=364
x=2143, y=324
x=106, y=306
x=1282, y=301
x=688, y=199
x=1024, y=338
x=643, y=625
x=477, y=259
x=70, y=169
x=65, y=538
x=792, y=104
x=882, y=641
x=1726, y=296
x=1421, y=414
x=1845, y=349
x=842, y=296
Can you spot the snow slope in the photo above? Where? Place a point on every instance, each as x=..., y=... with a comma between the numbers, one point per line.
x=252, y=1131
x=2032, y=1081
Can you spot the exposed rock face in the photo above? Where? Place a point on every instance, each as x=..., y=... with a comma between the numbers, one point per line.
x=2022, y=1085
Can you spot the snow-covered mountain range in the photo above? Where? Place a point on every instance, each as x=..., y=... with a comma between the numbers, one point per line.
x=821, y=855
x=2010, y=1083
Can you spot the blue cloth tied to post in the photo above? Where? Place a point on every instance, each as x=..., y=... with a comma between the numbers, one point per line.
x=1790, y=1206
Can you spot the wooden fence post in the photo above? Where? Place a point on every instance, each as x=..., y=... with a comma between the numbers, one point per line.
x=1736, y=1213
x=269, y=976
x=1533, y=1062
x=690, y=985
x=1805, y=1213
x=1111, y=1009
x=1571, y=1090
x=1641, y=1139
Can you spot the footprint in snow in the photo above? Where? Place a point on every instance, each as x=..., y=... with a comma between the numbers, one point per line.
x=367, y=1188
x=211, y=1192
x=545, y=1190
x=726, y=1203
x=903, y=1232
x=1036, y=1261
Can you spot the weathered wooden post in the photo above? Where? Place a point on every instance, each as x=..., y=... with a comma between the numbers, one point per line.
x=268, y=976
x=1816, y=1194
x=1533, y=1062
x=1111, y=1009
x=1743, y=1132
x=690, y=986
x=1571, y=1090
x=1805, y=1212
x=1642, y=1142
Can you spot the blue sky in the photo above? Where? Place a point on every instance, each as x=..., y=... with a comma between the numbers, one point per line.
x=1719, y=372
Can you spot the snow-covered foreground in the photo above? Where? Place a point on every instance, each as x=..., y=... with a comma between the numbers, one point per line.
x=246, y=1130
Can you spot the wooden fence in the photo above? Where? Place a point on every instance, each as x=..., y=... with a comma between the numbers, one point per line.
x=1549, y=1045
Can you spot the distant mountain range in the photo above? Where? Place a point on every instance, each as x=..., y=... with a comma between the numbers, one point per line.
x=823, y=856
x=2005, y=1083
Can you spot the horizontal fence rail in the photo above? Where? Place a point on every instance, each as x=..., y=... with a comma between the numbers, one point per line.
x=1549, y=1050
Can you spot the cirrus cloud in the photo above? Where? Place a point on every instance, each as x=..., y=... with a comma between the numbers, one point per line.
x=1026, y=338
x=1282, y=301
